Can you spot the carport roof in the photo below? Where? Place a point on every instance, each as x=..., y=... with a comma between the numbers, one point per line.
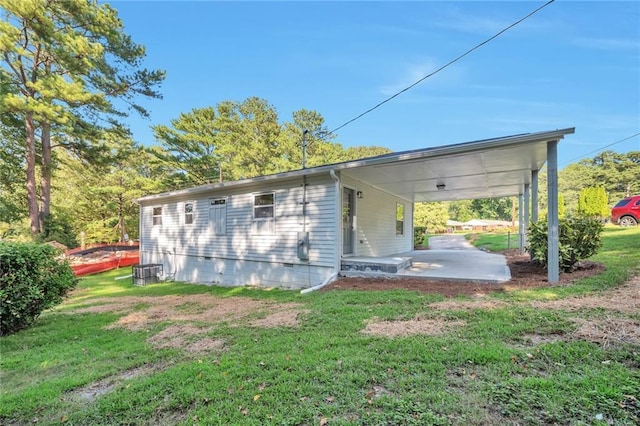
x=479, y=169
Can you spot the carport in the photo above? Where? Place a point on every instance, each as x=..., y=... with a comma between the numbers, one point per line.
x=499, y=167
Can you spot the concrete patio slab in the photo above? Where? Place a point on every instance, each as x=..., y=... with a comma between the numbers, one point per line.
x=458, y=264
x=450, y=257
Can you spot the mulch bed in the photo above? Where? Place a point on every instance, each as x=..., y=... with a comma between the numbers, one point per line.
x=524, y=274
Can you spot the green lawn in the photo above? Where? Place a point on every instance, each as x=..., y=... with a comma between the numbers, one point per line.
x=106, y=356
x=494, y=242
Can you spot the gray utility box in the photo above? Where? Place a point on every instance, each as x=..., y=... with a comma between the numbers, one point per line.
x=146, y=274
x=303, y=245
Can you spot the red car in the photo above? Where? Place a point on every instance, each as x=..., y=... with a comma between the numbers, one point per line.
x=627, y=211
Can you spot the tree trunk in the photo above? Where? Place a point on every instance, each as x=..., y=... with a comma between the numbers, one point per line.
x=45, y=179
x=121, y=216
x=30, y=168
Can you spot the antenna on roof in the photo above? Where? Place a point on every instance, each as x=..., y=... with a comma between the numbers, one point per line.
x=304, y=149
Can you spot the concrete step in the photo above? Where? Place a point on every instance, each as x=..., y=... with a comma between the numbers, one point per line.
x=386, y=265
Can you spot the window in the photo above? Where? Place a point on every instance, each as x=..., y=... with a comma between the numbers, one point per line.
x=399, y=219
x=623, y=202
x=188, y=213
x=157, y=215
x=263, y=206
x=218, y=215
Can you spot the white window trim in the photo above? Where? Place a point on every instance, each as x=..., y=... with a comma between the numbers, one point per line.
x=253, y=211
x=224, y=203
x=185, y=214
x=154, y=216
x=404, y=218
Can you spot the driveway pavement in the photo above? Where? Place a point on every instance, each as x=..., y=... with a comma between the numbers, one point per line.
x=453, y=257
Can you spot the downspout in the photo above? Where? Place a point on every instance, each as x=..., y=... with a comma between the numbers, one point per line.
x=140, y=245
x=336, y=268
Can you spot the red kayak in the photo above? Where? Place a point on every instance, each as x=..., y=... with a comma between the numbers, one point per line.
x=103, y=258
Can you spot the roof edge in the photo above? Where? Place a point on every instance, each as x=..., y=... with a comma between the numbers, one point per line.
x=451, y=149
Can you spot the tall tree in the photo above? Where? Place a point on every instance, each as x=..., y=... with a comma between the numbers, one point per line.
x=66, y=63
x=492, y=208
x=236, y=140
x=358, y=152
x=308, y=127
x=593, y=202
x=249, y=134
x=461, y=210
x=432, y=216
x=617, y=173
x=12, y=202
x=571, y=180
x=191, y=147
x=99, y=201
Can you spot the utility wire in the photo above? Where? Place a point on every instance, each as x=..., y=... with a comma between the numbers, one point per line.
x=606, y=146
x=444, y=66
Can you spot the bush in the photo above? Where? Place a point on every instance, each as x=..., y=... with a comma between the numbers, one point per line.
x=32, y=279
x=593, y=202
x=418, y=235
x=578, y=238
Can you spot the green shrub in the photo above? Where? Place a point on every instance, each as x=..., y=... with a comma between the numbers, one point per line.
x=593, y=202
x=32, y=278
x=578, y=238
x=418, y=235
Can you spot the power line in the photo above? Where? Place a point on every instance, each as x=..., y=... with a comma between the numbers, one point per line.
x=606, y=146
x=444, y=66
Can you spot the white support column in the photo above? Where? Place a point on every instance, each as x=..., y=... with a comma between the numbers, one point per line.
x=525, y=229
x=521, y=223
x=553, y=252
x=534, y=196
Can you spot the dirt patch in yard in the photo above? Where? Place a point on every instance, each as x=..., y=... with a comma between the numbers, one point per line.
x=140, y=313
x=90, y=392
x=608, y=331
x=417, y=325
x=625, y=299
x=463, y=305
x=286, y=318
x=144, y=311
x=524, y=275
x=186, y=337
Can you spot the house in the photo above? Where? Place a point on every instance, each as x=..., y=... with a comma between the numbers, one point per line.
x=293, y=229
x=454, y=225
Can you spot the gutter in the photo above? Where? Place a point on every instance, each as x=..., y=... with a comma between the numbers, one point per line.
x=336, y=267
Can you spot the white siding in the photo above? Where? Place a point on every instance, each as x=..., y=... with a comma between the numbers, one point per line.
x=375, y=221
x=242, y=255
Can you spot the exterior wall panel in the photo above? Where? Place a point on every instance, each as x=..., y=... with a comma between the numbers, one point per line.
x=197, y=252
x=376, y=221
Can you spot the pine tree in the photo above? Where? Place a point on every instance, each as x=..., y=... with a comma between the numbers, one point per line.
x=63, y=65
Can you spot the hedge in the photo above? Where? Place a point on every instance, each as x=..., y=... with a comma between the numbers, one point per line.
x=33, y=277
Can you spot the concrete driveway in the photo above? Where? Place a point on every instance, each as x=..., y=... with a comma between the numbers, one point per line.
x=453, y=257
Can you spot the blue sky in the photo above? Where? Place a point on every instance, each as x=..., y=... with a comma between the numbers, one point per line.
x=571, y=64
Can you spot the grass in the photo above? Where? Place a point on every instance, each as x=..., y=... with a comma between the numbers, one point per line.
x=494, y=242
x=504, y=365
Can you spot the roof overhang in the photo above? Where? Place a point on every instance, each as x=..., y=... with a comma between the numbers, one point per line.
x=480, y=169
